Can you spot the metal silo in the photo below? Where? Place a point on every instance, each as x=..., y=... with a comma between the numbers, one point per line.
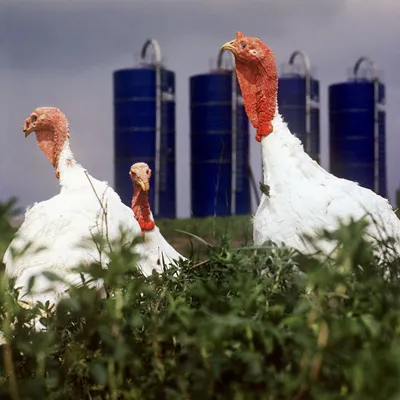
x=219, y=147
x=144, y=129
x=357, y=129
x=298, y=101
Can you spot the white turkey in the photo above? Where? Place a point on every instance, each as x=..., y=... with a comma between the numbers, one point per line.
x=302, y=197
x=156, y=249
x=84, y=207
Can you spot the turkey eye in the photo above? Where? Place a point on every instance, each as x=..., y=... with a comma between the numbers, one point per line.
x=147, y=171
x=33, y=118
x=243, y=45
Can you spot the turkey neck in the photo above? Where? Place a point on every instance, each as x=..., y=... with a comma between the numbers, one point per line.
x=279, y=148
x=141, y=207
x=54, y=142
x=66, y=158
x=259, y=87
x=282, y=154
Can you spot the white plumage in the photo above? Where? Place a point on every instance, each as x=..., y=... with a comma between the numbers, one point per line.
x=305, y=198
x=158, y=251
x=61, y=224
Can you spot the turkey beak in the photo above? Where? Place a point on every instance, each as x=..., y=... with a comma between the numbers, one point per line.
x=140, y=178
x=142, y=185
x=229, y=46
x=28, y=127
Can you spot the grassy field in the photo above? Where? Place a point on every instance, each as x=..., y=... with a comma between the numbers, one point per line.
x=236, y=229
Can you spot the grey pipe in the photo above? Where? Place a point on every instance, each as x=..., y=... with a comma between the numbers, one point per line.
x=375, y=80
x=307, y=67
x=158, y=66
x=234, y=100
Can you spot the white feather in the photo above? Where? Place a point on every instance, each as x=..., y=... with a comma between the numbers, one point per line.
x=61, y=225
x=158, y=251
x=304, y=198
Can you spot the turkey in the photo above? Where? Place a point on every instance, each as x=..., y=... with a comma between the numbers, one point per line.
x=303, y=198
x=84, y=207
x=157, y=250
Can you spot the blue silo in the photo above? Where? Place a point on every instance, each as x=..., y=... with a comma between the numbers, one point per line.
x=219, y=149
x=357, y=130
x=144, y=130
x=298, y=102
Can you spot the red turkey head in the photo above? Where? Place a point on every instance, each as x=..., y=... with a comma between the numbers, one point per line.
x=140, y=174
x=249, y=50
x=258, y=80
x=52, y=130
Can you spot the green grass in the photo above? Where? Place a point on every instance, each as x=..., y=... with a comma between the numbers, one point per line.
x=235, y=229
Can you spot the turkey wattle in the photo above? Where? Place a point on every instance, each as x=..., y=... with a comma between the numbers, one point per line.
x=157, y=250
x=304, y=198
x=84, y=207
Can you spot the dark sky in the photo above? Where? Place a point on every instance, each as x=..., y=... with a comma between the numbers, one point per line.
x=62, y=53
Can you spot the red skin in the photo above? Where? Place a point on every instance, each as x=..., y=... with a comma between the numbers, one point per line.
x=258, y=80
x=52, y=130
x=140, y=174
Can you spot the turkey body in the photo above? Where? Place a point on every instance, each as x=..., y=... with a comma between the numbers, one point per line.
x=65, y=226
x=304, y=198
x=157, y=251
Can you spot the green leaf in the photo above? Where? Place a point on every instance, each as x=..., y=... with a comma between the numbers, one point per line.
x=99, y=373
